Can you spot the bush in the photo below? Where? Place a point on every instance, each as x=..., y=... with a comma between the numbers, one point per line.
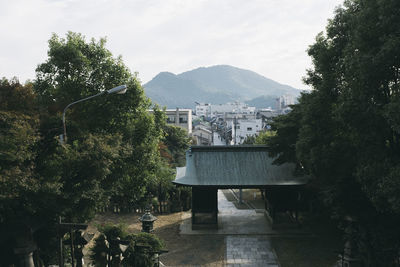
x=141, y=248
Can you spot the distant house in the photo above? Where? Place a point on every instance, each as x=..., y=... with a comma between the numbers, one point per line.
x=244, y=128
x=285, y=100
x=202, y=135
x=267, y=115
x=179, y=117
x=235, y=109
x=203, y=110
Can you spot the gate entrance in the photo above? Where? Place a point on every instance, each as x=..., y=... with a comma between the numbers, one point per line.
x=209, y=168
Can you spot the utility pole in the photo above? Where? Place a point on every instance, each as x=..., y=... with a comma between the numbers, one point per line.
x=235, y=128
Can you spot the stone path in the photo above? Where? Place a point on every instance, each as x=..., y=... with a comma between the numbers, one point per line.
x=217, y=140
x=246, y=235
x=249, y=251
x=245, y=250
x=231, y=221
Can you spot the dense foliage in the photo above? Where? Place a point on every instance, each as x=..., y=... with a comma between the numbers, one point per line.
x=176, y=143
x=345, y=132
x=139, y=249
x=260, y=139
x=172, y=147
x=76, y=69
x=19, y=136
x=111, y=155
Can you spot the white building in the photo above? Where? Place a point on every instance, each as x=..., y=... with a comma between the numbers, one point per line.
x=267, y=115
x=236, y=108
x=243, y=128
x=285, y=100
x=202, y=135
x=179, y=117
x=203, y=109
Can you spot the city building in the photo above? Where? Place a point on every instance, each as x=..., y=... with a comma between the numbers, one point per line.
x=244, y=128
x=203, y=110
x=179, y=117
x=233, y=108
x=284, y=101
x=202, y=135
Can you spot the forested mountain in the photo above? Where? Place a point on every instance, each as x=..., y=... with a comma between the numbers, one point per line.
x=215, y=85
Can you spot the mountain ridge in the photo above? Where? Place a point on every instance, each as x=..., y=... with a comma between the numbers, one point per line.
x=215, y=84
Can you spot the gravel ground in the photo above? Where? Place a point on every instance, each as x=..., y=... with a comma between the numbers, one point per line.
x=312, y=250
x=183, y=250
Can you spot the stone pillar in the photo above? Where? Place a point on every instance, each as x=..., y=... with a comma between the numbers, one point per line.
x=349, y=258
x=24, y=246
x=25, y=256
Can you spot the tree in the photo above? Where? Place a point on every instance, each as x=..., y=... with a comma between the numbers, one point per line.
x=140, y=250
x=345, y=131
x=19, y=135
x=264, y=137
x=76, y=69
x=112, y=150
x=260, y=139
x=172, y=149
x=249, y=140
x=177, y=142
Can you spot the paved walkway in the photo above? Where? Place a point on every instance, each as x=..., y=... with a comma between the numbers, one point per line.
x=217, y=140
x=231, y=221
x=247, y=243
x=249, y=251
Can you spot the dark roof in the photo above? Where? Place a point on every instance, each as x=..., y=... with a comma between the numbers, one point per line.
x=235, y=166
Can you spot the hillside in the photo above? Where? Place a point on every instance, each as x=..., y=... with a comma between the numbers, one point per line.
x=215, y=85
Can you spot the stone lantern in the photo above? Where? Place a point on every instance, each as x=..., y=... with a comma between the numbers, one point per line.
x=350, y=257
x=147, y=221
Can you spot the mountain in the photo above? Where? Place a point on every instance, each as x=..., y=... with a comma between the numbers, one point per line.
x=216, y=85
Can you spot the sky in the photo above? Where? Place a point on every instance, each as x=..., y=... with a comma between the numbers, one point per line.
x=269, y=37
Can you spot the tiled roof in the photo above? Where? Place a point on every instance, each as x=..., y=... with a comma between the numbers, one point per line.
x=235, y=166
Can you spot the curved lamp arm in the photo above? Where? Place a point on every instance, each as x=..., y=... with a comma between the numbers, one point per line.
x=119, y=90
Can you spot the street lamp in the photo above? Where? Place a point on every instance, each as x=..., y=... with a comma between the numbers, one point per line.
x=119, y=90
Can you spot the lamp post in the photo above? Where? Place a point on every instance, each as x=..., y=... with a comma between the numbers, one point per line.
x=119, y=90
x=63, y=138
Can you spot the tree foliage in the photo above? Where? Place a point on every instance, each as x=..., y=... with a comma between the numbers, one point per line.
x=345, y=132
x=139, y=252
x=261, y=139
x=177, y=142
x=19, y=135
x=172, y=148
x=76, y=69
x=112, y=151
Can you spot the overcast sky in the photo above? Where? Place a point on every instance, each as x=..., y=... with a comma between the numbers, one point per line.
x=269, y=37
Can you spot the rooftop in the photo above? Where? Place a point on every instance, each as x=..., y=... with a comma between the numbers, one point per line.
x=235, y=167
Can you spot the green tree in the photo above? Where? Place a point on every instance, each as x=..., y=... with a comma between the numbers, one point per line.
x=19, y=136
x=112, y=150
x=249, y=140
x=263, y=137
x=139, y=252
x=177, y=142
x=345, y=131
x=76, y=69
